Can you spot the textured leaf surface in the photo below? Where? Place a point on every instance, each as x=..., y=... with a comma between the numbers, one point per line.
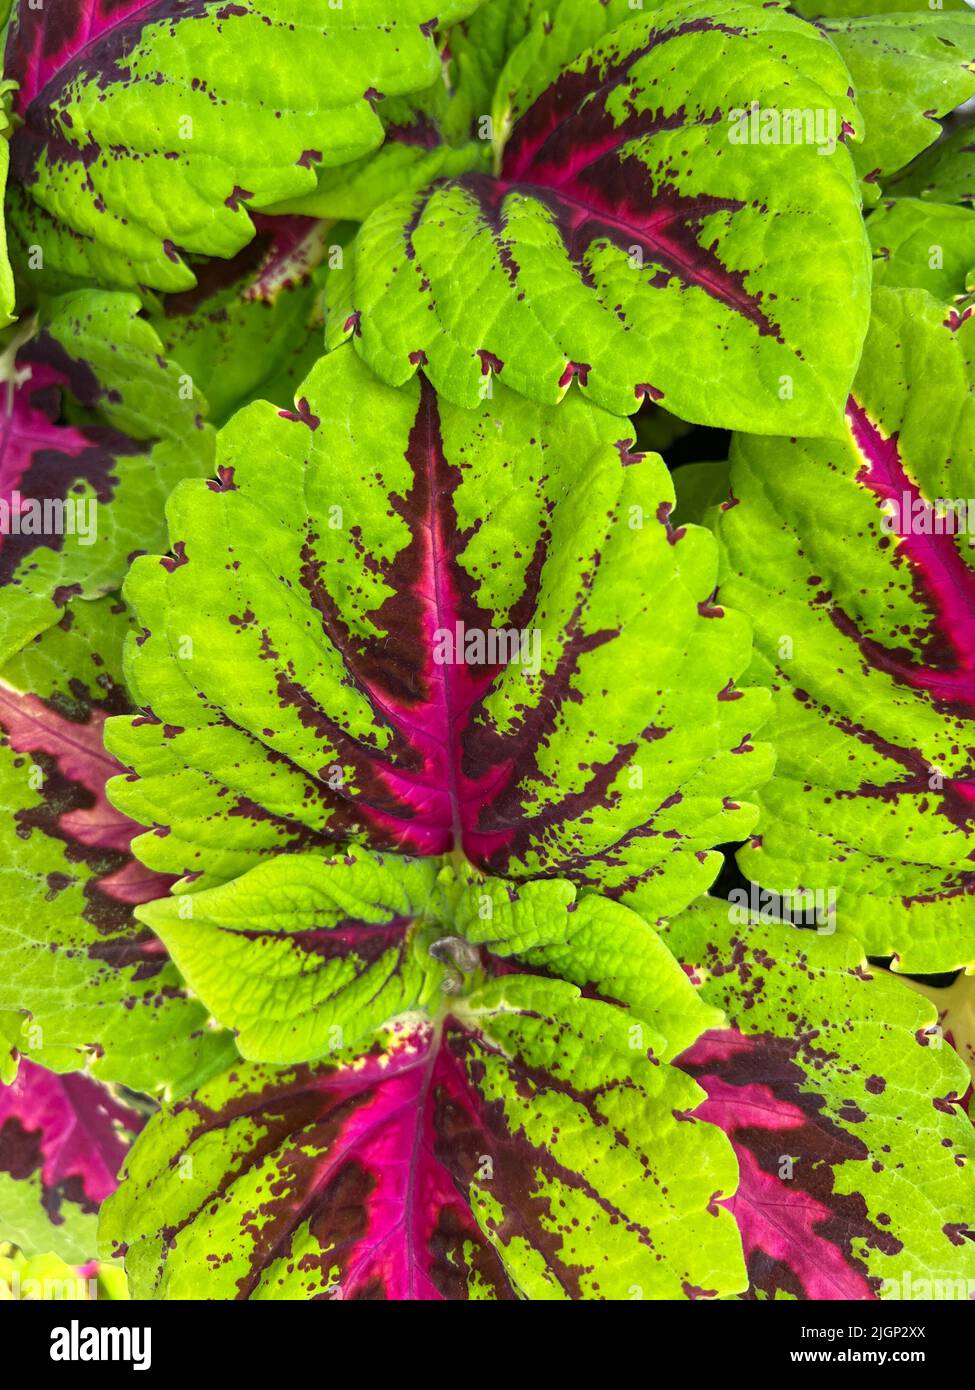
x=423, y=140
x=502, y=42
x=89, y=977
x=922, y=245
x=304, y=954
x=327, y=655
x=153, y=129
x=631, y=244
x=99, y=426
x=454, y=127
x=856, y=1160
x=863, y=619
x=907, y=69
x=62, y=1140
x=517, y=1145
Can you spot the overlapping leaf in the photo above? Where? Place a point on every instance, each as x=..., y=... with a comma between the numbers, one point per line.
x=634, y=239
x=945, y=173
x=855, y=562
x=923, y=245
x=83, y=977
x=503, y=43
x=99, y=426
x=153, y=129
x=423, y=140
x=857, y=1163
x=907, y=69
x=438, y=708
x=393, y=621
x=62, y=1140
x=303, y=954
x=524, y=1141
x=454, y=127
x=503, y=1135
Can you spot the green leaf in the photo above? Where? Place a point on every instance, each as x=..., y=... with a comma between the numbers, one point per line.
x=843, y=1106
x=449, y=130
x=637, y=237
x=517, y=1143
x=603, y=947
x=862, y=602
x=100, y=427
x=506, y=40
x=419, y=145
x=303, y=954
x=922, y=245
x=945, y=173
x=95, y=985
x=155, y=129
x=393, y=621
x=907, y=69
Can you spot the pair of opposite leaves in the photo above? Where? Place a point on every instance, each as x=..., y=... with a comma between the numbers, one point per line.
x=311, y=641
x=78, y=79
x=524, y=1138
x=713, y=249
x=283, y=643
x=621, y=214
x=289, y=652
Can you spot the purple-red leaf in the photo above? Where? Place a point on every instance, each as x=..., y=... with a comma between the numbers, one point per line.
x=62, y=1141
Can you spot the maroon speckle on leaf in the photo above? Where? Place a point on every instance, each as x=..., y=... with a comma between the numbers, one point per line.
x=302, y=414
x=628, y=456
x=646, y=392
x=490, y=362
x=224, y=481
x=179, y=557
x=579, y=369
x=237, y=198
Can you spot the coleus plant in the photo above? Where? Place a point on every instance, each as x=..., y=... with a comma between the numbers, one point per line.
x=868, y=647
x=368, y=772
